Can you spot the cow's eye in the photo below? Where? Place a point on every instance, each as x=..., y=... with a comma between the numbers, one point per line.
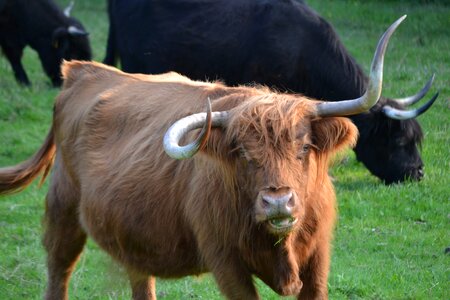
x=401, y=141
x=244, y=154
x=304, y=151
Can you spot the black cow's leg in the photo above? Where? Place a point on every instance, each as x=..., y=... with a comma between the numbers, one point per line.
x=143, y=287
x=111, y=48
x=14, y=55
x=64, y=238
x=111, y=55
x=111, y=52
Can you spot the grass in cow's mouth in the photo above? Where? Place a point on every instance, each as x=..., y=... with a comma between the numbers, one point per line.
x=282, y=223
x=378, y=225
x=279, y=240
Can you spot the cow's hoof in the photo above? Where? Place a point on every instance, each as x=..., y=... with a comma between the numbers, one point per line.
x=291, y=288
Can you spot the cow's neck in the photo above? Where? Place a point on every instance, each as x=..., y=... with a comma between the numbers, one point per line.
x=339, y=82
x=330, y=73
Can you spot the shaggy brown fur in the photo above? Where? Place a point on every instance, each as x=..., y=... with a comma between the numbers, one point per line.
x=160, y=217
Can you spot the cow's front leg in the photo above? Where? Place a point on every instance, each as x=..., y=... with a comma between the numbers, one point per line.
x=14, y=53
x=315, y=275
x=286, y=272
x=142, y=286
x=232, y=277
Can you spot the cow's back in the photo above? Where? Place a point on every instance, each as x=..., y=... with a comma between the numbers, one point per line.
x=282, y=44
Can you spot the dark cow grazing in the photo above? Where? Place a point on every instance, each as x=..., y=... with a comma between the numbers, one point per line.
x=281, y=44
x=253, y=199
x=45, y=28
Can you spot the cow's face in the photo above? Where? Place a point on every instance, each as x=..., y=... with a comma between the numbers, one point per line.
x=389, y=148
x=275, y=174
x=280, y=155
x=66, y=44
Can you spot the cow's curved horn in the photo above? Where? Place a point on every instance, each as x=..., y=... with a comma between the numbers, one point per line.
x=373, y=92
x=68, y=9
x=75, y=31
x=186, y=124
x=413, y=99
x=399, y=114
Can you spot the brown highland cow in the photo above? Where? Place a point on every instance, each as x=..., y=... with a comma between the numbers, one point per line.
x=254, y=197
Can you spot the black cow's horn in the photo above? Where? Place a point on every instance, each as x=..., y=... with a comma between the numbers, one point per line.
x=373, y=92
x=68, y=9
x=181, y=127
x=399, y=114
x=74, y=31
x=413, y=99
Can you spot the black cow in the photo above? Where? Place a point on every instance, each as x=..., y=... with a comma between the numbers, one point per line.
x=278, y=43
x=45, y=28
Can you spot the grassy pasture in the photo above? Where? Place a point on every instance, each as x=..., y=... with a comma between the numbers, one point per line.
x=389, y=241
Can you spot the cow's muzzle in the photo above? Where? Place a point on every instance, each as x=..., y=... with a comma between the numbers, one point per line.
x=276, y=207
x=414, y=173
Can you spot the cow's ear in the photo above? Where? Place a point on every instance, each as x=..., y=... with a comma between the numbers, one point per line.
x=217, y=144
x=334, y=133
x=59, y=35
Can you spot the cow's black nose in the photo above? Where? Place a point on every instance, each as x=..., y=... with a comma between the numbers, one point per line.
x=420, y=172
x=417, y=173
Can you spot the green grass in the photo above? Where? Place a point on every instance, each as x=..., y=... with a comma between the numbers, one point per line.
x=389, y=241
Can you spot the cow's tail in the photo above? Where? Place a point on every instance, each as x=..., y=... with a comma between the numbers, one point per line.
x=15, y=178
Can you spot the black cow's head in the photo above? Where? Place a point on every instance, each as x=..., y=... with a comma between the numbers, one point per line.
x=67, y=43
x=69, y=40
x=389, y=141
